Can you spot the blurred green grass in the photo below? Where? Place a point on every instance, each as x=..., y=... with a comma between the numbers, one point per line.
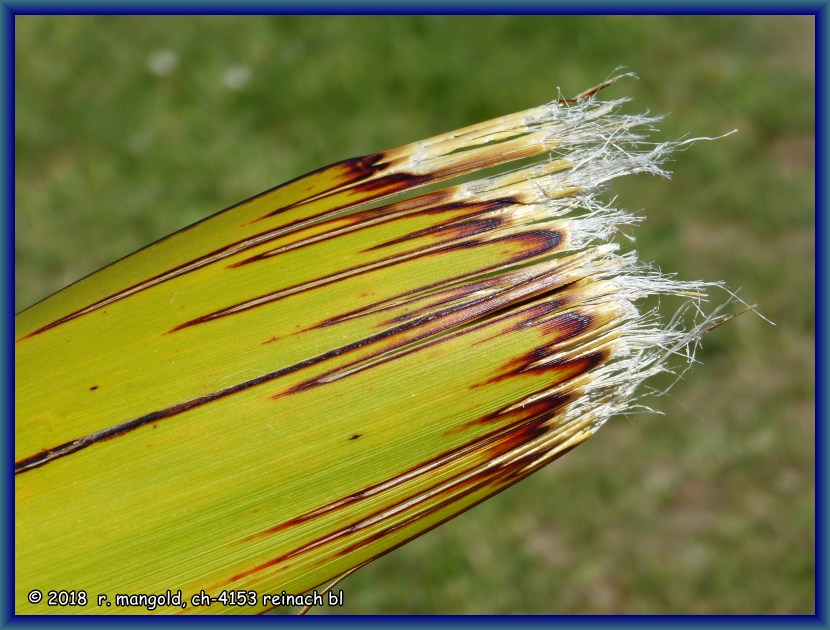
x=131, y=127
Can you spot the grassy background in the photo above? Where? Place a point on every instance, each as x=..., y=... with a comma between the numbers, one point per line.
x=129, y=128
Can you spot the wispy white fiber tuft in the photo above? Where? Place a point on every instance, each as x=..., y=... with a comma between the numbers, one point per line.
x=597, y=144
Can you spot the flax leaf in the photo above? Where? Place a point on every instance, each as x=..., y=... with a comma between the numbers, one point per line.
x=308, y=379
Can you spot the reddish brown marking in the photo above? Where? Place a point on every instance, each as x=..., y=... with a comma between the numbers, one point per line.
x=536, y=242
x=239, y=245
x=392, y=183
x=525, y=423
x=46, y=455
x=517, y=437
x=484, y=478
x=587, y=93
x=506, y=472
x=448, y=233
x=410, y=473
x=49, y=454
x=565, y=369
x=562, y=327
x=354, y=169
x=363, y=172
x=570, y=324
x=505, y=480
x=425, y=205
x=546, y=408
x=506, y=475
x=487, y=310
x=455, y=316
x=456, y=287
x=463, y=226
x=340, y=223
x=443, y=296
x=169, y=274
x=369, y=189
x=569, y=368
x=501, y=446
x=507, y=483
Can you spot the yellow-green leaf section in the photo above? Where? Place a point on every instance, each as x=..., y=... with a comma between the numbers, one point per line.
x=304, y=381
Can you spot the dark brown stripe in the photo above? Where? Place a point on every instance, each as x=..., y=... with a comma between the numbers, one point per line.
x=411, y=473
x=509, y=471
x=72, y=446
x=566, y=369
x=354, y=169
x=454, y=317
x=78, y=444
x=466, y=482
x=383, y=186
x=448, y=290
x=186, y=267
x=442, y=296
x=538, y=242
x=448, y=233
x=546, y=406
x=509, y=482
x=466, y=225
x=532, y=430
x=427, y=204
x=394, y=211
